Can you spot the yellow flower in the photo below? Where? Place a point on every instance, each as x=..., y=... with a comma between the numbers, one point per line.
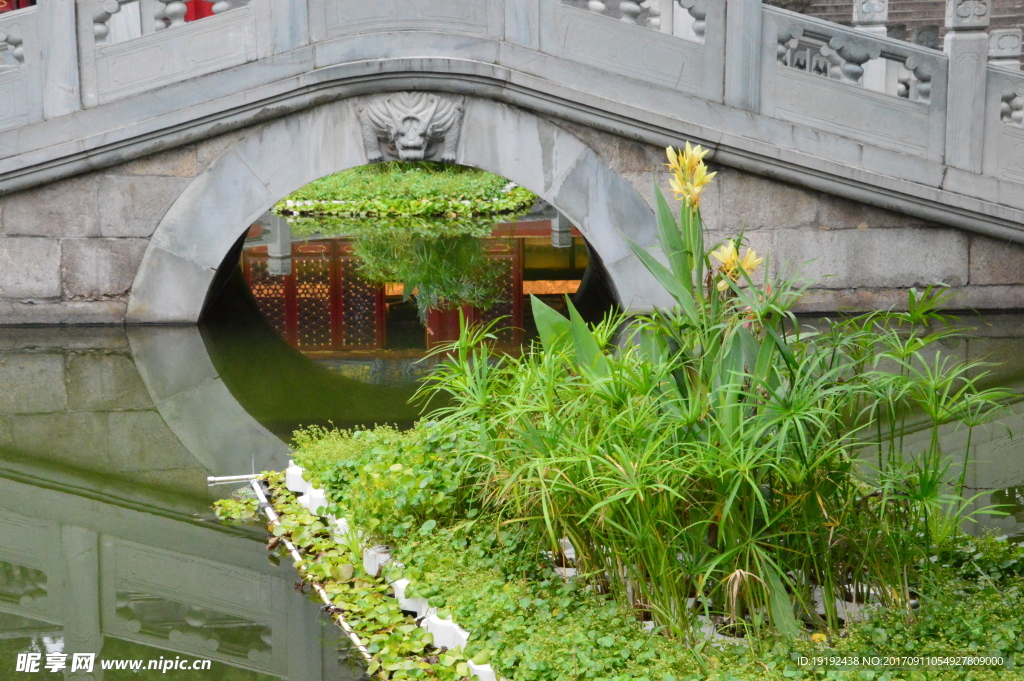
x=750, y=261
x=819, y=638
x=727, y=255
x=723, y=285
x=689, y=174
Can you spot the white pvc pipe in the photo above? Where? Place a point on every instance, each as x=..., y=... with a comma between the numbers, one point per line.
x=275, y=520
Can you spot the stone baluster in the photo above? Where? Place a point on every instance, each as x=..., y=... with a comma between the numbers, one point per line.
x=871, y=16
x=1004, y=47
x=922, y=72
x=698, y=9
x=160, y=17
x=1012, y=105
x=175, y=11
x=854, y=54
x=966, y=45
x=11, y=36
x=653, y=8
x=597, y=6
x=630, y=11
x=101, y=13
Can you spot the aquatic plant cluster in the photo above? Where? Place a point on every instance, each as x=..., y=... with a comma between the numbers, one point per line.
x=715, y=474
x=396, y=189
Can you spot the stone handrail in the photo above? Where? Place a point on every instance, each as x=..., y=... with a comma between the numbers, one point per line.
x=814, y=75
x=20, y=75
x=768, y=90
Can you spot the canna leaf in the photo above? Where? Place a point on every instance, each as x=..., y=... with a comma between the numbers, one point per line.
x=588, y=352
x=672, y=242
x=551, y=326
x=780, y=605
x=676, y=289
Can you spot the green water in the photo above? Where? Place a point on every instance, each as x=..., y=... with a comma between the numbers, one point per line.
x=107, y=543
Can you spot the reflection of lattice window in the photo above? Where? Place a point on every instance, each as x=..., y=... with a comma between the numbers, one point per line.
x=313, y=299
x=361, y=305
x=269, y=292
x=21, y=585
x=191, y=628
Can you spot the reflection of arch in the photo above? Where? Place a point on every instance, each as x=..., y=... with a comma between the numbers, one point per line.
x=246, y=180
x=197, y=406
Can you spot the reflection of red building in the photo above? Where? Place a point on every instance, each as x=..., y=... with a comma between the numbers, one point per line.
x=324, y=305
x=10, y=5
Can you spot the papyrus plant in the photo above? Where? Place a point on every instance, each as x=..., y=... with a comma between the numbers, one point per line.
x=713, y=462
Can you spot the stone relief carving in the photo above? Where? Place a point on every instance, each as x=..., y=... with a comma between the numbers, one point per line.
x=870, y=12
x=967, y=14
x=412, y=126
x=10, y=39
x=1011, y=108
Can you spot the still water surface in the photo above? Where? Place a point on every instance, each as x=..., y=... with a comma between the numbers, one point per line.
x=107, y=543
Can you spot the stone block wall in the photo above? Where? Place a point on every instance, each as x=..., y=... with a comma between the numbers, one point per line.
x=74, y=398
x=69, y=250
x=856, y=255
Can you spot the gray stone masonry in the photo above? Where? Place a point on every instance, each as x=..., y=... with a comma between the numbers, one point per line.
x=858, y=256
x=70, y=250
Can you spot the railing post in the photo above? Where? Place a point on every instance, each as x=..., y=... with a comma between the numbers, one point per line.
x=967, y=47
x=871, y=16
x=1004, y=47
x=743, y=54
x=522, y=23
x=58, y=30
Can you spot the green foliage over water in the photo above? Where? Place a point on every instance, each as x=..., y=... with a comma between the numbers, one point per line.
x=408, y=190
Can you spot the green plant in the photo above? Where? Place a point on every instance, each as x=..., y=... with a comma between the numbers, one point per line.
x=711, y=468
x=421, y=190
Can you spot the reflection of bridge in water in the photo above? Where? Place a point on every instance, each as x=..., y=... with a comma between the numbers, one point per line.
x=107, y=543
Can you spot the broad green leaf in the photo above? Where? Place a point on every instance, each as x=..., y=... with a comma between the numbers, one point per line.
x=672, y=242
x=780, y=605
x=551, y=326
x=588, y=352
x=666, y=279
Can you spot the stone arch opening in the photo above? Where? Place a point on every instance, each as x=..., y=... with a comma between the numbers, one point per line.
x=206, y=221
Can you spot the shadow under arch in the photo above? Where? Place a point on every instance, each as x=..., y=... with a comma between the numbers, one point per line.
x=276, y=158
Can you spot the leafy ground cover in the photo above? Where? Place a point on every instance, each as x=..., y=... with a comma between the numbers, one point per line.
x=408, y=190
x=717, y=469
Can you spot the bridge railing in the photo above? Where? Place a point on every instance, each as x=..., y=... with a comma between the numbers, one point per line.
x=812, y=73
x=20, y=69
x=626, y=40
x=764, y=60
x=114, y=70
x=1004, y=130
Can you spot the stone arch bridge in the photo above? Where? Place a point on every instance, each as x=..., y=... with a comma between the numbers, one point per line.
x=135, y=148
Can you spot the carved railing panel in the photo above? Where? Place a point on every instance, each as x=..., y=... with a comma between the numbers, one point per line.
x=20, y=74
x=645, y=13
x=190, y=605
x=1004, y=125
x=583, y=34
x=174, y=51
x=813, y=73
x=28, y=585
x=330, y=19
